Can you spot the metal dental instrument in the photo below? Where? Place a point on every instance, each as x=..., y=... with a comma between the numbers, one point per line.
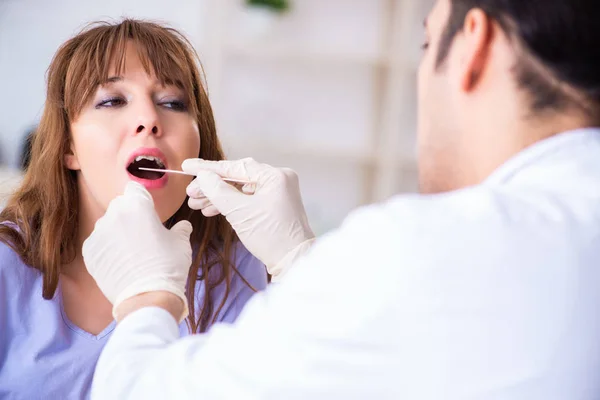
x=173, y=171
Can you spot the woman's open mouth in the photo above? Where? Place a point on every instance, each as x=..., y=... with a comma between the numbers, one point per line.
x=146, y=162
x=148, y=158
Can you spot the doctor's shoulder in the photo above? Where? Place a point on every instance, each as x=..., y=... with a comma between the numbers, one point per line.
x=455, y=225
x=411, y=241
x=418, y=213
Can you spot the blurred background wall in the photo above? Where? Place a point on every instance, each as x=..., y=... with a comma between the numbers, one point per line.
x=324, y=87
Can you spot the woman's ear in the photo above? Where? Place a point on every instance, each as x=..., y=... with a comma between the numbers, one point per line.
x=70, y=159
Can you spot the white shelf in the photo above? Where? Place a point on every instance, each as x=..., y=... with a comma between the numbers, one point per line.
x=283, y=53
x=299, y=151
x=320, y=154
x=385, y=163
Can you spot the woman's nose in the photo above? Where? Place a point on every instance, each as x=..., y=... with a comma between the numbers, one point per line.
x=146, y=118
x=142, y=128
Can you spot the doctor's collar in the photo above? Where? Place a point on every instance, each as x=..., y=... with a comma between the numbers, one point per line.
x=542, y=149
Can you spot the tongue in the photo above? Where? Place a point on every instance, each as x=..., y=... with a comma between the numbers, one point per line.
x=135, y=171
x=149, y=175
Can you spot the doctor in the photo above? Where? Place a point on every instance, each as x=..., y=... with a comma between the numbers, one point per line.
x=485, y=286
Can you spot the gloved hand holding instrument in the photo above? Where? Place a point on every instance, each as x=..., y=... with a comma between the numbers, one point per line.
x=267, y=215
x=266, y=212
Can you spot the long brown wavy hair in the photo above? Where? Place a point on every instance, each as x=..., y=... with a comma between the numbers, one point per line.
x=40, y=221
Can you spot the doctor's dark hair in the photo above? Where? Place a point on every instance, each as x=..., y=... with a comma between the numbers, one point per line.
x=558, y=43
x=40, y=221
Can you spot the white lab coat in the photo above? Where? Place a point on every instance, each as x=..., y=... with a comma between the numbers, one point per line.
x=492, y=292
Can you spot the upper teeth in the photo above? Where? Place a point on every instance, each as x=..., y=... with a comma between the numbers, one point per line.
x=157, y=160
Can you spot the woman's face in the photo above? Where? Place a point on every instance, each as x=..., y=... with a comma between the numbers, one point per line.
x=133, y=121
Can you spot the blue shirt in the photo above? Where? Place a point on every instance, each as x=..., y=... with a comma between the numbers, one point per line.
x=43, y=355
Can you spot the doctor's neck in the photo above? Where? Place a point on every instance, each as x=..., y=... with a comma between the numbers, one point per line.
x=494, y=140
x=516, y=126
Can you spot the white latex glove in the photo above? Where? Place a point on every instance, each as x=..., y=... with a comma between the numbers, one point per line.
x=130, y=251
x=271, y=222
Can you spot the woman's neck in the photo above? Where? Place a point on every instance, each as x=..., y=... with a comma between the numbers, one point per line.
x=88, y=214
x=84, y=303
x=76, y=271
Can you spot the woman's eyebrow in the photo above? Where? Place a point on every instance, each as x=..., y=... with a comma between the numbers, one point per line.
x=112, y=79
x=174, y=83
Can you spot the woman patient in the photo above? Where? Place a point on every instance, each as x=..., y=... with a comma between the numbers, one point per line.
x=120, y=97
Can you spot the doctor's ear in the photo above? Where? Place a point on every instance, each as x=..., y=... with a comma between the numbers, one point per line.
x=477, y=36
x=70, y=159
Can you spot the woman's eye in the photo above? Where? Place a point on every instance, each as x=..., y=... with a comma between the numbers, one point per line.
x=174, y=105
x=112, y=102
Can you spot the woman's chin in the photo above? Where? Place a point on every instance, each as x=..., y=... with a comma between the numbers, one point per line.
x=166, y=211
x=151, y=184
